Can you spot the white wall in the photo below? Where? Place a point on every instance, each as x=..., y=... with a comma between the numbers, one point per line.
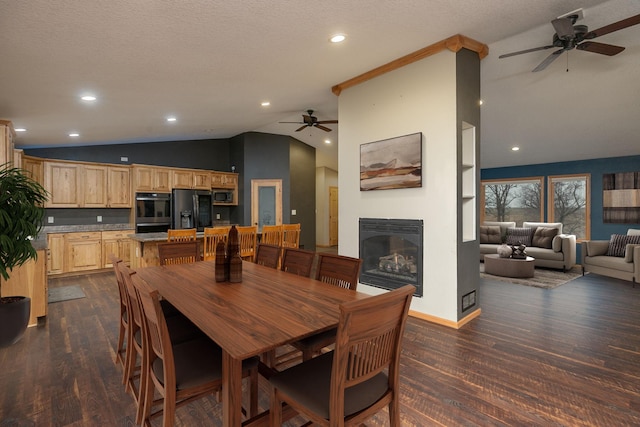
x=325, y=178
x=420, y=97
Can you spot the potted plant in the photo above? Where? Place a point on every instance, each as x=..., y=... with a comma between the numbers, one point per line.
x=21, y=214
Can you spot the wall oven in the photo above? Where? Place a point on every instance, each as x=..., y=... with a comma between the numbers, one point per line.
x=153, y=212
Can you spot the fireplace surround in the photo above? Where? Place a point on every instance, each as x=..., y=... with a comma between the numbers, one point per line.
x=391, y=252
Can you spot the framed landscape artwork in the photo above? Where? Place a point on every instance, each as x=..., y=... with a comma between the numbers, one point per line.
x=621, y=198
x=391, y=163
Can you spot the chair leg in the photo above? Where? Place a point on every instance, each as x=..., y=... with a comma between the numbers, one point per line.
x=120, y=350
x=394, y=412
x=129, y=361
x=253, y=393
x=276, y=409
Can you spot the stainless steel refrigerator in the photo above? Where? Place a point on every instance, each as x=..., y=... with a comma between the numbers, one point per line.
x=191, y=209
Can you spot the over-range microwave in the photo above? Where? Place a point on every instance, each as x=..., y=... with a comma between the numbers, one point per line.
x=222, y=196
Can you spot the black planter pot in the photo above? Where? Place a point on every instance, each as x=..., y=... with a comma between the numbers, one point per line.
x=14, y=318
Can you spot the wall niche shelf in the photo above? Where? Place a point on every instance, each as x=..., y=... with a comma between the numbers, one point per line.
x=468, y=177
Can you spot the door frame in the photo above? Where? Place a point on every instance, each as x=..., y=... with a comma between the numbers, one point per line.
x=255, y=203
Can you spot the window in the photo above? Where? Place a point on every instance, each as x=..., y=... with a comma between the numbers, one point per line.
x=569, y=203
x=512, y=200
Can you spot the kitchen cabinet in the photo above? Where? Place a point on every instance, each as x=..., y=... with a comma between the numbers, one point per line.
x=202, y=180
x=93, y=188
x=55, y=253
x=182, y=178
x=34, y=168
x=7, y=136
x=224, y=180
x=151, y=178
x=118, y=244
x=30, y=280
x=62, y=180
x=119, y=187
x=83, y=251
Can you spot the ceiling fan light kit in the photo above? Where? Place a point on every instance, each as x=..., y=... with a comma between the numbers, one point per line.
x=569, y=36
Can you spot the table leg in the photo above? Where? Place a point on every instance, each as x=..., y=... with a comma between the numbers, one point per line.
x=231, y=391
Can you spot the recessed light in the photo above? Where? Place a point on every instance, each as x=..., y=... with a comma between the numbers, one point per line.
x=337, y=38
x=515, y=148
x=20, y=130
x=327, y=141
x=88, y=98
x=171, y=119
x=265, y=103
x=73, y=135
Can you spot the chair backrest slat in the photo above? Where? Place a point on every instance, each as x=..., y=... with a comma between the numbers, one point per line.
x=297, y=261
x=268, y=255
x=178, y=252
x=181, y=235
x=291, y=235
x=338, y=270
x=213, y=235
x=247, y=236
x=271, y=235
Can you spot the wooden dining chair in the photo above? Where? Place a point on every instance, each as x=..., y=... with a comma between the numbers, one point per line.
x=247, y=237
x=272, y=235
x=178, y=252
x=213, y=235
x=181, y=235
x=123, y=329
x=268, y=255
x=181, y=372
x=360, y=377
x=297, y=261
x=180, y=330
x=290, y=235
x=337, y=270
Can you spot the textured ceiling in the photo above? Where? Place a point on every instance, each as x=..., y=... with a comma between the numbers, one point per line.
x=211, y=63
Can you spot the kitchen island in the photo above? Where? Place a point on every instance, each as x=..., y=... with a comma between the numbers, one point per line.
x=144, y=248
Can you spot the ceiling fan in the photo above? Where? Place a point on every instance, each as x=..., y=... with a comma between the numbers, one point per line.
x=569, y=36
x=310, y=121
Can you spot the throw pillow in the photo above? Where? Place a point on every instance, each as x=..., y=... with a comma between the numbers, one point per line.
x=633, y=232
x=618, y=244
x=543, y=237
x=490, y=234
x=519, y=235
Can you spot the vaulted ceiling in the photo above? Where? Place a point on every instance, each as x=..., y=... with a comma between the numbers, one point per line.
x=211, y=63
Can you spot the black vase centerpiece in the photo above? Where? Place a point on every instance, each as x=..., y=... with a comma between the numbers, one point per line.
x=233, y=256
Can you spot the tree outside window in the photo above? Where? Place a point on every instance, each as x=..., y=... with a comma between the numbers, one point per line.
x=569, y=203
x=515, y=200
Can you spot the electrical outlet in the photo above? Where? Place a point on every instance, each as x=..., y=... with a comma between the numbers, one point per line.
x=49, y=220
x=124, y=159
x=217, y=216
x=99, y=218
x=294, y=212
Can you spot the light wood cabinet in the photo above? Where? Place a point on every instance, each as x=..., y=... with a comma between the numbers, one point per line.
x=202, y=180
x=119, y=187
x=30, y=280
x=118, y=244
x=83, y=251
x=62, y=181
x=7, y=136
x=55, y=253
x=150, y=178
x=34, y=168
x=224, y=180
x=182, y=178
x=93, y=188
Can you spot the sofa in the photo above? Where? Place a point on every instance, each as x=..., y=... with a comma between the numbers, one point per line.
x=544, y=241
x=617, y=257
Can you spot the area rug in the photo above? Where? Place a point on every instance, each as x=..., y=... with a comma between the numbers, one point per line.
x=65, y=293
x=543, y=278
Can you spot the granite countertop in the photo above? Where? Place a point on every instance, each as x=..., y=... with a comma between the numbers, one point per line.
x=41, y=241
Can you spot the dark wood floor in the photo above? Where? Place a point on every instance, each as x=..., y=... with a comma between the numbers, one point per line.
x=563, y=357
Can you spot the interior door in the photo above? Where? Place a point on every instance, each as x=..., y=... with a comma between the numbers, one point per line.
x=266, y=202
x=333, y=216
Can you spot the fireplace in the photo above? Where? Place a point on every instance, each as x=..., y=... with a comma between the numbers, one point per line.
x=391, y=253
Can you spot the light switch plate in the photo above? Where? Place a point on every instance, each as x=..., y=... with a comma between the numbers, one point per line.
x=49, y=220
x=99, y=218
x=293, y=212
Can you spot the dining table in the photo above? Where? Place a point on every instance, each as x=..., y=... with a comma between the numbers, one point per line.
x=267, y=309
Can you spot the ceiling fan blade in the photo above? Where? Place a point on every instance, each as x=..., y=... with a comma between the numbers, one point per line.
x=601, y=48
x=564, y=28
x=520, y=52
x=298, y=123
x=326, y=129
x=327, y=121
x=629, y=22
x=548, y=60
x=301, y=127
